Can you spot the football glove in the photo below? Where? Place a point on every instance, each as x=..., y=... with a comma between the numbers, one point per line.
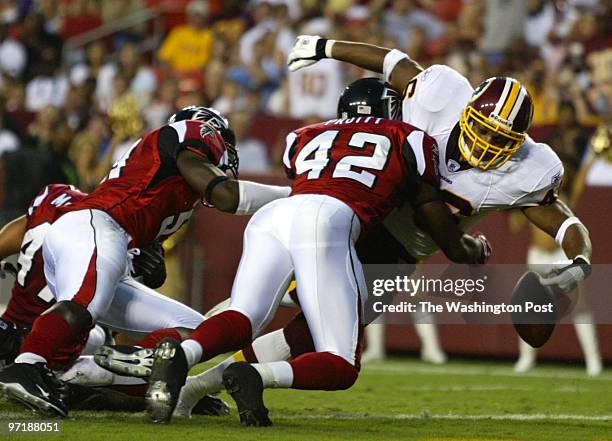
x=7, y=268
x=11, y=337
x=148, y=265
x=487, y=249
x=565, y=278
x=307, y=50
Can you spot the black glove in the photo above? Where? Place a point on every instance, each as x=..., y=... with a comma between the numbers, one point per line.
x=149, y=266
x=11, y=337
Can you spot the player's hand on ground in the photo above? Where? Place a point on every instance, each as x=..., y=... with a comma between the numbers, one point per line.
x=566, y=277
x=307, y=50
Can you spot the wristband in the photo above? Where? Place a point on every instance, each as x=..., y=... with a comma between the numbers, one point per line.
x=320, y=51
x=563, y=229
x=211, y=186
x=391, y=59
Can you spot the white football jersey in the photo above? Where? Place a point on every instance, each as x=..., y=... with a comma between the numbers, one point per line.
x=433, y=102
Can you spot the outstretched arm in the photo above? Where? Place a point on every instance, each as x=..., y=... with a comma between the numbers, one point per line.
x=398, y=68
x=559, y=222
x=573, y=237
x=224, y=193
x=11, y=236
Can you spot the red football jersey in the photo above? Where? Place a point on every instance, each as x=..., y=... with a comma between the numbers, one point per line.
x=144, y=191
x=31, y=296
x=369, y=163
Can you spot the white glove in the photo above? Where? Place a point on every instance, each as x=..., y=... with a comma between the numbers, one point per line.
x=307, y=50
x=567, y=277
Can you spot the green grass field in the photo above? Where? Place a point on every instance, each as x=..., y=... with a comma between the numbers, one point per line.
x=401, y=399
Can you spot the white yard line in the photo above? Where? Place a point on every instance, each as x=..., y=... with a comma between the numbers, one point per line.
x=513, y=417
x=394, y=368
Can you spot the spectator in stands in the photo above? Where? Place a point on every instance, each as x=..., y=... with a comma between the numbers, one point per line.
x=269, y=18
x=141, y=80
x=162, y=106
x=13, y=55
x=50, y=85
x=43, y=48
x=253, y=153
x=403, y=16
x=188, y=47
x=503, y=22
x=95, y=57
x=85, y=151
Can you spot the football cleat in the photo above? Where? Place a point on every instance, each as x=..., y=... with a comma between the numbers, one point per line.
x=168, y=375
x=212, y=406
x=244, y=384
x=35, y=386
x=132, y=361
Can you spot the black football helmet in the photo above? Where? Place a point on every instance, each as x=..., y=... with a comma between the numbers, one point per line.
x=220, y=124
x=369, y=97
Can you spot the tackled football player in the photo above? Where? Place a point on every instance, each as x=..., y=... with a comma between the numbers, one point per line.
x=487, y=160
x=348, y=174
x=147, y=195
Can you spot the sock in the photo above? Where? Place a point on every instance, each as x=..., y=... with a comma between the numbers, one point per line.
x=375, y=334
x=587, y=336
x=49, y=332
x=151, y=340
x=269, y=347
x=208, y=382
x=224, y=332
x=193, y=352
x=275, y=374
x=322, y=371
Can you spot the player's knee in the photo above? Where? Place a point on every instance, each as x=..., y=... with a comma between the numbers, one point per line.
x=77, y=316
x=298, y=336
x=345, y=374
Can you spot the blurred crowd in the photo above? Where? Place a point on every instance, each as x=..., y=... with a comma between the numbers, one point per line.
x=81, y=80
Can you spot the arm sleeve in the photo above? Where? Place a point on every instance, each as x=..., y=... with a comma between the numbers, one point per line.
x=253, y=195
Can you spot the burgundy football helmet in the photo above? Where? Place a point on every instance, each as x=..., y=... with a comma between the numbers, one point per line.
x=494, y=122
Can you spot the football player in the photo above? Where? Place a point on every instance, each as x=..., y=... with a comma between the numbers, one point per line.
x=128, y=313
x=487, y=161
x=147, y=195
x=348, y=174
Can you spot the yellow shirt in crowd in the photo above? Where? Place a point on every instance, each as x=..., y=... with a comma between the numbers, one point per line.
x=187, y=48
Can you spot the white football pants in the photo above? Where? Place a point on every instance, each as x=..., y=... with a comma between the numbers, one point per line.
x=86, y=257
x=310, y=237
